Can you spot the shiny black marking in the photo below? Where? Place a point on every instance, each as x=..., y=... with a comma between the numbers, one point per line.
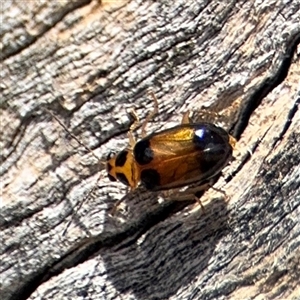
x=213, y=141
x=121, y=158
x=143, y=153
x=122, y=178
x=208, y=135
x=150, y=178
x=213, y=159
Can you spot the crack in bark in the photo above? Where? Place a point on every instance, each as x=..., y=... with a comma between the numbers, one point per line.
x=266, y=87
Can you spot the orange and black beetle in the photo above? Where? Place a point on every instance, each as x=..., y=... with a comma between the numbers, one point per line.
x=174, y=157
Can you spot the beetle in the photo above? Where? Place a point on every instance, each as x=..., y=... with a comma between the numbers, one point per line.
x=174, y=157
x=168, y=159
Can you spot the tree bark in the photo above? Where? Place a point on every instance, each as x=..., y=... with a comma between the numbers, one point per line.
x=88, y=64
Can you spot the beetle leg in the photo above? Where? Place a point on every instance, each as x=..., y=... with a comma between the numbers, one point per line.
x=132, y=140
x=136, y=122
x=186, y=118
x=232, y=142
x=114, y=209
x=133, y=126
x=151, y=114
x=116, y=205
x=191, y=193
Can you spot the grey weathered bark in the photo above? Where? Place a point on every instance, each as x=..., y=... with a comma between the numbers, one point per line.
x=90, y=63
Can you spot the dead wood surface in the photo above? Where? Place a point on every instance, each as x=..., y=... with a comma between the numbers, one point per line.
x=89, y=63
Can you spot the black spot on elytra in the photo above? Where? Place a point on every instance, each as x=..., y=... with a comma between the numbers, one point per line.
x=143, y=153
x=150, y=178
x=121, y=158
x=122, y=178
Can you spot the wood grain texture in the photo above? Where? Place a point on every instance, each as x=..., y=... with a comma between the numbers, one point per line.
x=89, y=63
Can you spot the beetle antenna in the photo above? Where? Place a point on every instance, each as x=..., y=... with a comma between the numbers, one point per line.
x=78, y=207
x=151, y=114
x=71, y=134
